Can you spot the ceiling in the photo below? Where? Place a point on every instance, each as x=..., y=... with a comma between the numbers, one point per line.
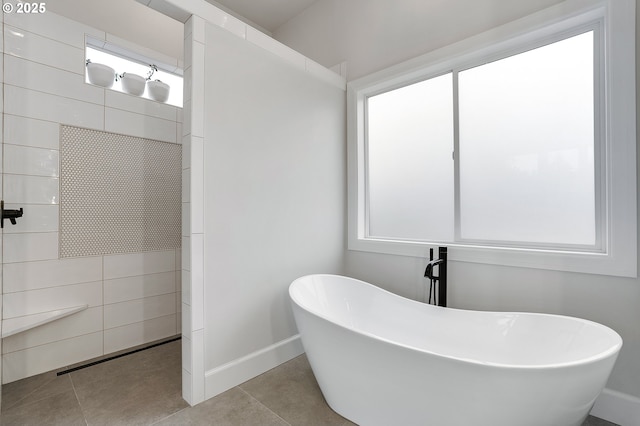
x=268, y=14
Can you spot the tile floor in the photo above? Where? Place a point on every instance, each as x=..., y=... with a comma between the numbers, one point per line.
x=144, y=389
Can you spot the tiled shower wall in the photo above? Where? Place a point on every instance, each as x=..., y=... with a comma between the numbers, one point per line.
x=133, y=298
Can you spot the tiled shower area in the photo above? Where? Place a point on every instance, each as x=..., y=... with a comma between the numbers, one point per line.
x=98, y=174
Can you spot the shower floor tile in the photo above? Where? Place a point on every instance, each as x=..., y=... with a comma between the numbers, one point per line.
x=144, y=389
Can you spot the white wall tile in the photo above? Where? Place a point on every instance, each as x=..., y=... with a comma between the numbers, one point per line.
x=129, y=123
x=179, y=132
x=21, y=189
x=188, y=27
x=186, y=220
x=186, y=253
x=186, y=152
x=25, y=160
x=197, y=90
x=24, y=44
x=187, y=385
x=43, y=106
x=50, y=299
x=226, y=21
x=47, y=79
x=169, y=9
x=186, y=118
x=36, y=218
x=197, y=366
x=186, y=185
x=198, y=28
x=139, y=105
x=186, y=320
x=54, y=26
x=197, y=281
x=30, y=246
x=187, y=53
x=186, y=286
x=186, y=89
x=178, y=253
x=138, y=287
x=1, y=35
x=78, y=324
x=39, y=359
x=128, y=265
x=31, y=132
x=123, y=313
x=130, y=335
x=51, y=273
x=179, y=114
x=2, y=86
x=186, y=354
x=197, y=185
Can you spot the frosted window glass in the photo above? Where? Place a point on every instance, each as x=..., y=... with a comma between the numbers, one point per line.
x=527, y=146
x=410, y=166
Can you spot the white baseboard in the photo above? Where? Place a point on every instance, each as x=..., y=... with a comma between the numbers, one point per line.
x=618, y=408
x=242, y=369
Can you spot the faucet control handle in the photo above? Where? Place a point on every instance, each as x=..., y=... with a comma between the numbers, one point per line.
x=10, y=214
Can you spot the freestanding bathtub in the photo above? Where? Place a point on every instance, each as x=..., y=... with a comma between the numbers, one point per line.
x=381, y=359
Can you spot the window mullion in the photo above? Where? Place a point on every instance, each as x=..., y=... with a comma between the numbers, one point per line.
x=456, y=157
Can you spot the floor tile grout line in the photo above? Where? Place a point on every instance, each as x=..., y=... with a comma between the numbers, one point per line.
x=170, y=415
x=17, y=403
x=261, y=403
x=75, y=392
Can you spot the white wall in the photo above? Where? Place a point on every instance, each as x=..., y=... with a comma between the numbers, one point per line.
x=265, y=173
x=254, y=203
x=369, y=36
x=274, y=192
x=133, y=298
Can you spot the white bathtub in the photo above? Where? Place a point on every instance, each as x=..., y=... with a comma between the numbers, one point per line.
x=381, y=359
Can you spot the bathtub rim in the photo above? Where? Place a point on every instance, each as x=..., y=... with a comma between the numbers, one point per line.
x=613, y=351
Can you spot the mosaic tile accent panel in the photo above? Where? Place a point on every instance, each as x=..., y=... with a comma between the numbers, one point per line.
x=118, y=193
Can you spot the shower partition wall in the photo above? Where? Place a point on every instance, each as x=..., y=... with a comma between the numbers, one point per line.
x=265, y=170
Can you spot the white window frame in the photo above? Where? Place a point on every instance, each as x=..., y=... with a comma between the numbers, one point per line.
x=617, y=255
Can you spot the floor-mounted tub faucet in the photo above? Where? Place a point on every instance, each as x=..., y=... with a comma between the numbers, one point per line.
x=439, y=297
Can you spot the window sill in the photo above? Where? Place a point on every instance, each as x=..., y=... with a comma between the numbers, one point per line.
x=621, y=264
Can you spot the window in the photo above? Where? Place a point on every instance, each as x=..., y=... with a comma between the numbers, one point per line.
x=122, y=61
x=509, y=155
x=410, y=167
x=528, y=148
